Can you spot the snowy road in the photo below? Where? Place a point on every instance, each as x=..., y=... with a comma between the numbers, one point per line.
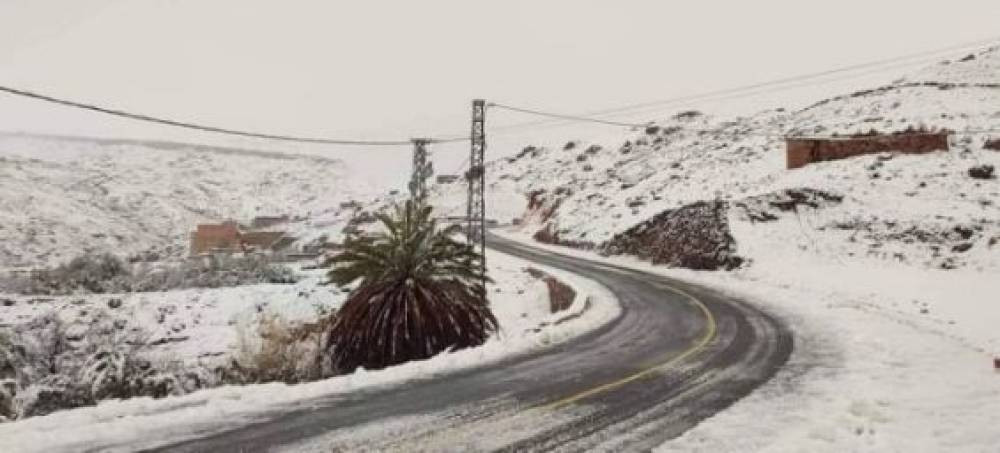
x=678, y=354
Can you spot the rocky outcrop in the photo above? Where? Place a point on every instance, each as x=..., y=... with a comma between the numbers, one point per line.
x=561, y=295
x=550, y=235
x=695, y=236
x=768, y=207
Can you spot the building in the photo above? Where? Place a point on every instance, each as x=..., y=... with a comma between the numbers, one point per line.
x=265, y=240
x=226, y=237
x=208, y=238
x=804, y=151
x=446, y=179
x=268, y=221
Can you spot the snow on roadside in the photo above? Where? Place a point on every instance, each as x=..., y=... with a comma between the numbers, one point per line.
x=871, y=370
x=198, y=326
x=519, y=301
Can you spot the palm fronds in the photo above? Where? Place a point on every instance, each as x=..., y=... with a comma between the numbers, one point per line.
x=419, y=292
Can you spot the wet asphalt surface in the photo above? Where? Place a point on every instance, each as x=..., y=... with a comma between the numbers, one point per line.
x=519, y=404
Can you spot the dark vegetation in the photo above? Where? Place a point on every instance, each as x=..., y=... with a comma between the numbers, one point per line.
x=982, y=172
x=106, y=273
x=419, y=292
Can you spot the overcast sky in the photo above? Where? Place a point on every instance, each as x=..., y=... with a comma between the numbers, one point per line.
x=380, y=69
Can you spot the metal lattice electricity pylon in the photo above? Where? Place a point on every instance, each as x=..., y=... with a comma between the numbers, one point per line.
x=422, y=170
x=476, y=176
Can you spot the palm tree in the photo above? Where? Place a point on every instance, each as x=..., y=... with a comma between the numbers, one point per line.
x=420, y=292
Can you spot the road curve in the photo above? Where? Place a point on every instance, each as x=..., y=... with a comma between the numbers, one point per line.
x=678, y=354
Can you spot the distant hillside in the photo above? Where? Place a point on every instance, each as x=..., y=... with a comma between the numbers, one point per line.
x=923, y=211
x=61, y=196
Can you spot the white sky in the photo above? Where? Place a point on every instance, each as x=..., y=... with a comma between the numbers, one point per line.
x=394, y=70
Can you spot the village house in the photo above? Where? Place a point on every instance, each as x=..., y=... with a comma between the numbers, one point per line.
x=268, y=221
x=227, y=237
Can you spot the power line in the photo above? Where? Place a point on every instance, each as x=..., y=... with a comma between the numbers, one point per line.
x=741, y=91
x=813, y=75
x=204, y=128
x=709, y=97
x=563, y=116
x=458, y=169
x=771, y=83
x=722, y=129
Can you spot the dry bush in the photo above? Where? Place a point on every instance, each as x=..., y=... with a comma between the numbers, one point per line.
x=280, y=351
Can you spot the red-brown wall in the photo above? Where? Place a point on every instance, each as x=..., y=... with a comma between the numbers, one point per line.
x=801, y=152
x=210, y=237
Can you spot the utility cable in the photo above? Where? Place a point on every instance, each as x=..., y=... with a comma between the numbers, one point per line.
x=200, y=127
x=774, y=84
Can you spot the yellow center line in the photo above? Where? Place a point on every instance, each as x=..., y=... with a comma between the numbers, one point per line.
x=709, y=335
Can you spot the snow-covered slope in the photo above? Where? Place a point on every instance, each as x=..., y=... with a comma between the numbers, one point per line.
x=599, y=189
x=61, y=197
x=886, y=267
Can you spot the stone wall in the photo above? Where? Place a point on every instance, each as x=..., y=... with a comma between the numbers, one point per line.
x=802, y=152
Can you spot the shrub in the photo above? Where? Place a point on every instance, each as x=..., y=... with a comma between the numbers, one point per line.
x=279, y=351
x=99, y=273
x=214, y=272
x=105, y=273
x=982, y=172
x=48, y=364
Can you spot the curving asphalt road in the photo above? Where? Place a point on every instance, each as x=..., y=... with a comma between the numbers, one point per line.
x=678, y=354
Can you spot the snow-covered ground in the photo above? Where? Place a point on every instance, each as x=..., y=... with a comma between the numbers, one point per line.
x=63, y=197
x=897, y=360
x=891, y=291
x=603, y=188
x=200, y=326
x=519, y=301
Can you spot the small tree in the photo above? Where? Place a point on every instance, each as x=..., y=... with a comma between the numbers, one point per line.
x=419, y=292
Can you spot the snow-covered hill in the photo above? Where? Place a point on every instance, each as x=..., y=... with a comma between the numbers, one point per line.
x=591, y=191
x=60, y=197
x=887, y=267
